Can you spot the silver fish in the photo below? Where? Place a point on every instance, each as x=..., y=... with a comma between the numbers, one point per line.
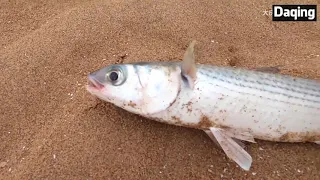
x=229, y=104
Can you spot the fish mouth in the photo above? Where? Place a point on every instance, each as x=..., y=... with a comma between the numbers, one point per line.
x=94, y=84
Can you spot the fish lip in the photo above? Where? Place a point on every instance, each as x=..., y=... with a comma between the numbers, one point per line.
x=94, y=84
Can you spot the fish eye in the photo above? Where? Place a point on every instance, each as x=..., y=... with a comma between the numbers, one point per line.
x=113, y=76
x=116, y=76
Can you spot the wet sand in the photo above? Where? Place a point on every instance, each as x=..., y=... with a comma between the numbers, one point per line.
x=51, y=128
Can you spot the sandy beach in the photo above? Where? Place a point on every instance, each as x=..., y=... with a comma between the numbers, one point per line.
x=52, y=128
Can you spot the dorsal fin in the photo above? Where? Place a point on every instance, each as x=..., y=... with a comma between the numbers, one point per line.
x=188, y=67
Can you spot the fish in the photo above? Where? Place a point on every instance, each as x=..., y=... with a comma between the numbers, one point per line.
x=231, y=105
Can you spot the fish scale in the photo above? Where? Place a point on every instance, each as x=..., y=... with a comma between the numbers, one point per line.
x=265, y=110
x=260, y=84
x=266, y=81
x=212, y=86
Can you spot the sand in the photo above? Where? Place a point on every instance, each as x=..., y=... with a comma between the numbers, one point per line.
x=51, y=128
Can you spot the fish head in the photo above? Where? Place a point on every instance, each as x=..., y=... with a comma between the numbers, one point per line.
x=138, y=88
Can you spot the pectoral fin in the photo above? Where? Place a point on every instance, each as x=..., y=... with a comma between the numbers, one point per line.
x=189, y=70
x=210, y=134
x=232, y=149
x=244, y=136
